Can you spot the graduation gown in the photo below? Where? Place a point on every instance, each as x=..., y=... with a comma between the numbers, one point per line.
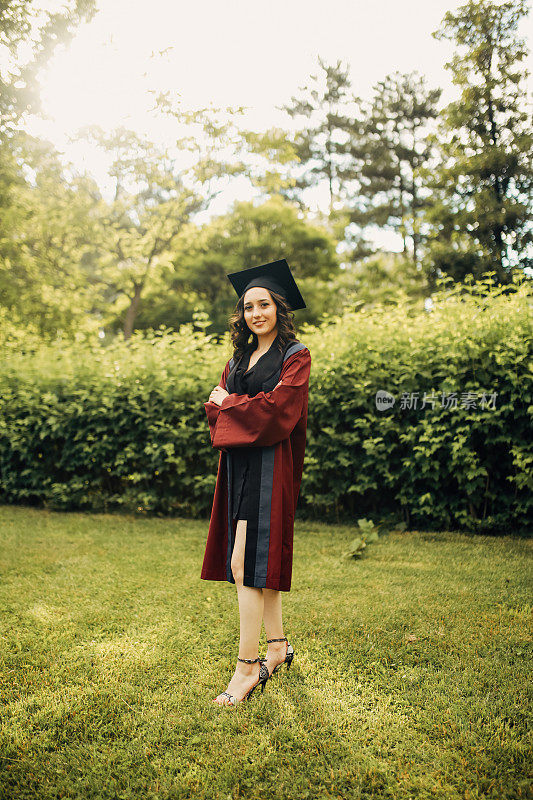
x=272, y=426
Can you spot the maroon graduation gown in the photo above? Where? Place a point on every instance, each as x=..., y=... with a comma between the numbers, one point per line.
x=274, y=424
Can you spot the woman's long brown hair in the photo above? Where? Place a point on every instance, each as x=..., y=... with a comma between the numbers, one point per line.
x=240, y=332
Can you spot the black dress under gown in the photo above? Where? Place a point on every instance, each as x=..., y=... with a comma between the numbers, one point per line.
x=249, y=381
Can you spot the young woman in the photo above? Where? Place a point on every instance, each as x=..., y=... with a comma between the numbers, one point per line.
x=258, y=420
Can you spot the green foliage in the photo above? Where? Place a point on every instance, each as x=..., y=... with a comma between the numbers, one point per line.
x=248, y=235
x=368, y=157
x=47, y=246
x=482, y=187
x=441, y=466
x=369, y=534
x=136, y=230
x=83, y=426
x=389, y=148
x=320, y=146
x=460, y=196
x=382, y=279
x=92, y=427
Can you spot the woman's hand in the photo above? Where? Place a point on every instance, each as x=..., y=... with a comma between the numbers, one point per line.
x=217, y=395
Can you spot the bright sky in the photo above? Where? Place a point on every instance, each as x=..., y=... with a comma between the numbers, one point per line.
x=238, y=52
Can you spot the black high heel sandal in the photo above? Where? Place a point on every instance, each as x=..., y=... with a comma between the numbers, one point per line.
x=263, y=677
x=289, y=654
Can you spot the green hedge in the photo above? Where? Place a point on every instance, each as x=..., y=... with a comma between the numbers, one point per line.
x=123, y=426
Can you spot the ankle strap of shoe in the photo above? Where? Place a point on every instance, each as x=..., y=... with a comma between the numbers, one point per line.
x=284, y=639
x=248, y=660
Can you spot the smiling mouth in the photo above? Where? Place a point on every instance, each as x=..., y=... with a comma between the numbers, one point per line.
x=259, y=323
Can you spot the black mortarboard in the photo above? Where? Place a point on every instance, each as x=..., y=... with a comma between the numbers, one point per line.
x=276, y=276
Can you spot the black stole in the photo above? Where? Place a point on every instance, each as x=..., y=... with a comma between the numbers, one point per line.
x=263, y=376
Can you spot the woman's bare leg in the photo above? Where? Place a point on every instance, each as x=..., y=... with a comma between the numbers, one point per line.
x=272, y=617
x=250, y=600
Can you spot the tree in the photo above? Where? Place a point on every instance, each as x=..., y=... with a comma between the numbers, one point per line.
x=319, y=146
x=151, y=204
x=382, y=278
x=47, y=243
x=248, y=235
x=482, y=209
x=313, y=155
x=369, y=156
x=29, y=35
x=388, y=151
x=159, y=192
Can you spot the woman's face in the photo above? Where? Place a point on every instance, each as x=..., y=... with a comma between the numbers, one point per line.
x=260, y=311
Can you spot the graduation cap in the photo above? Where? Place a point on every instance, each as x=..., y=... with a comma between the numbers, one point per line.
x=276, y=276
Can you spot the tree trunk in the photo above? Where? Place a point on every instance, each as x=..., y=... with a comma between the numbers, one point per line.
x=131, y=313
x=496, y=185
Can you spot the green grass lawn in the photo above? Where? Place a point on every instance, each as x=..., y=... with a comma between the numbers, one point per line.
x=411, y=677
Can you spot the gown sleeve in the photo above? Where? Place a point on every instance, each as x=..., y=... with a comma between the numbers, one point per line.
x=213, y=409
x=268, y=417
